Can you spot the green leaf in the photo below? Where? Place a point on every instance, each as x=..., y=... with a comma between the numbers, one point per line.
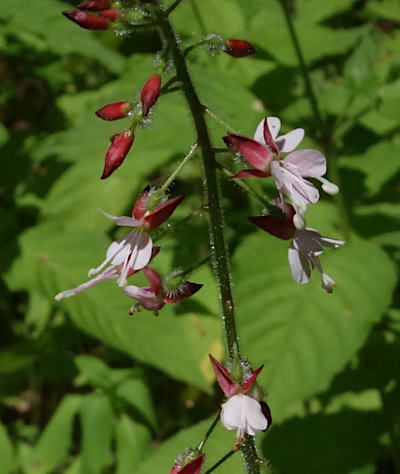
x=301, y=334
x=370, y=163
x=7, y=452
x=316, y=41
x=93, y=371
x=97, y=419
x=389, y=9
x=133, y=444
x=354, y=434
x=317, y=11
x=54, y=259
x=136, y=393
x=55, y=441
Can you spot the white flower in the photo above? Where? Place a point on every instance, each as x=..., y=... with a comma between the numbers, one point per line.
x=306, y=246
x=132, y=252
x=244, y=414
x=289, y=172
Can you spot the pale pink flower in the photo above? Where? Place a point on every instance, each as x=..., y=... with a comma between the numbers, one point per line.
x=155, y=296
x=306, y=247
x=304, y=251
x=133, y=251
x=289, y=173
x=110, y=273
x=241, y=412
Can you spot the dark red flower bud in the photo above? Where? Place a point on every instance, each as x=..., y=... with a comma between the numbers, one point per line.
x=239, y=48
x=86, y=20
x=150, y=93
x=161, y=213
x=116, y=153
x=257, y=155
x=94, y=5
x=115, y=111
x=111, y=14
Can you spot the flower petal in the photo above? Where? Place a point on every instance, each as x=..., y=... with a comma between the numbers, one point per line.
x=290, y=141
x=255, y=419
x=274, y=125
x=288, y=182
x=231, y=413
x=123, y=221
x=307, y=163
x=144, y=247
x=145, y=296
x=299, y=266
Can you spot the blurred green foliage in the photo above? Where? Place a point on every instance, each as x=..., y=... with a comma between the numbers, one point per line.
x=84, y=388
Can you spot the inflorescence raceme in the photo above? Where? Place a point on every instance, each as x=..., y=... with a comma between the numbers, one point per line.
x=270, y=156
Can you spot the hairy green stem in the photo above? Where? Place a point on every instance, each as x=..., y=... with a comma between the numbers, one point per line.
x=218, y=245
x=219, y=253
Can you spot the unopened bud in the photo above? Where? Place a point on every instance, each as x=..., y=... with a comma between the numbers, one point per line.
x=86, y=20
x=150, y=93
x=115, y=111
x=116, y=153
x=239, y=48
x=111, y=14
x=94, y=5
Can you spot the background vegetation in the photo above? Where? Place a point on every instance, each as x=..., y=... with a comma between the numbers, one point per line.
x=84, y=388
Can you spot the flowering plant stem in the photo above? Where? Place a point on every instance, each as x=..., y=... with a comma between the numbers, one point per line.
x=219, y=253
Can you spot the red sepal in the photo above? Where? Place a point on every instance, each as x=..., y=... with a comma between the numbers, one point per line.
x=250, y=174
x=153, y=278
x=184, y=291
x=239, y=48
x=250, y=381
x=257, y=155
x=281, y=227
x=192, y=467
x=139, y=209
x=224, y=378
x=111, y=14
x=161, y=213
x=150, y=93
x=86, y=20
x=116, y=153
x=94, y=5
x=114, y=111
x=269, y=140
